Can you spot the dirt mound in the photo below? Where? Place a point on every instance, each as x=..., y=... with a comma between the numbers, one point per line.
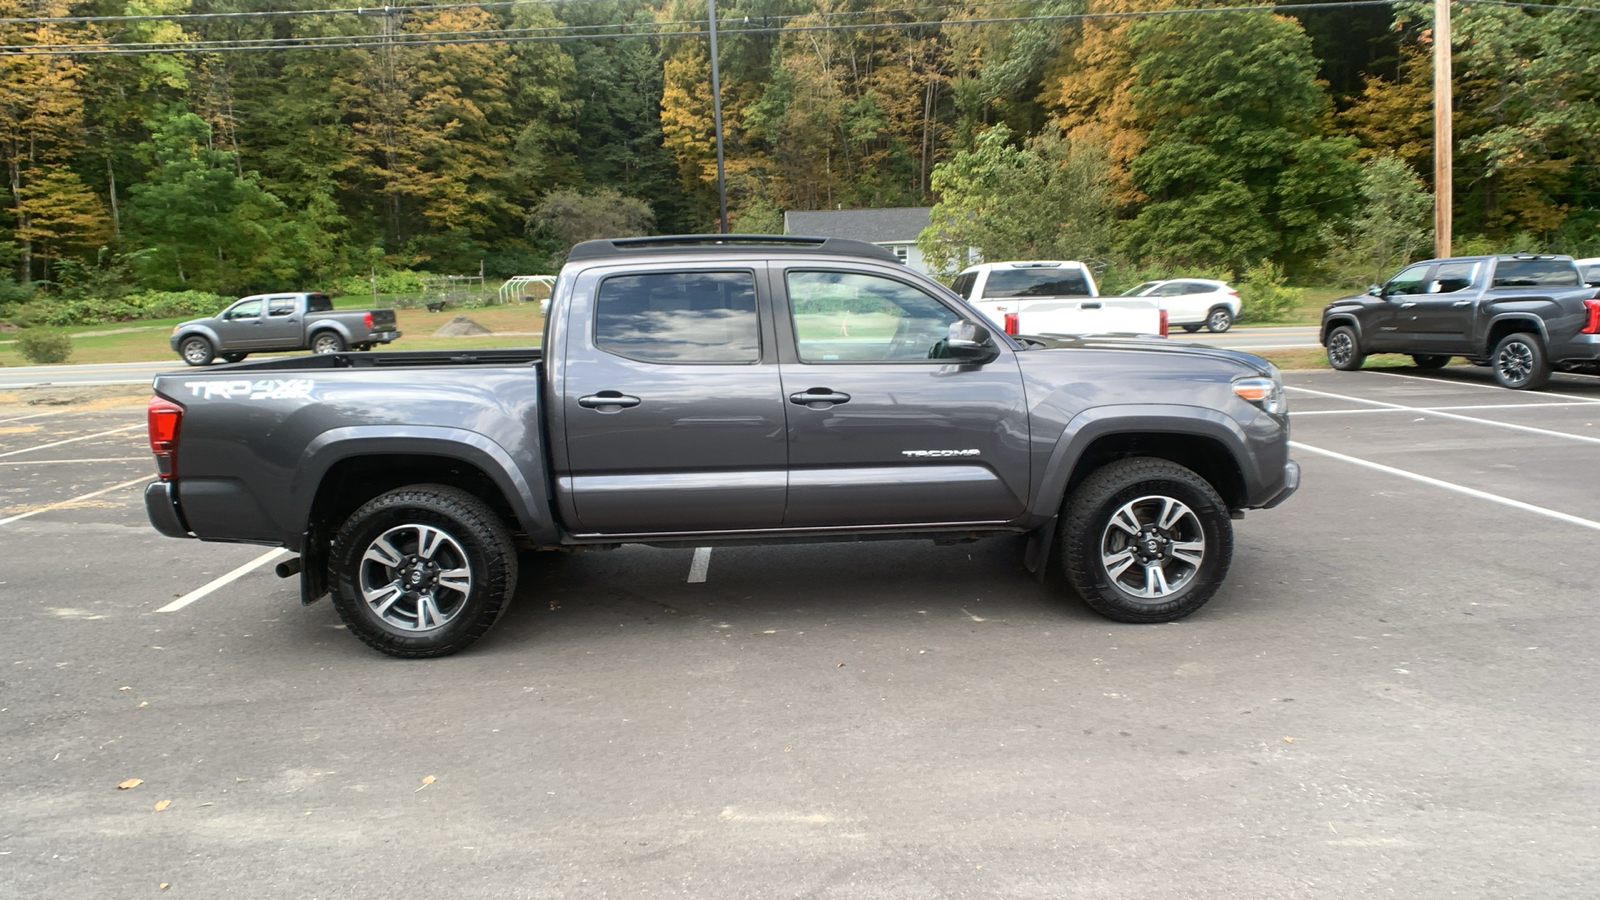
x=461, y=326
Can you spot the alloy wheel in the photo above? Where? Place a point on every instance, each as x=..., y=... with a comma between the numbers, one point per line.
x=415, y=577
x=1152, y=547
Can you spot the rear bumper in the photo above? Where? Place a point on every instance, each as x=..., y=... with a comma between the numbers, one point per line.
x=1580, y=348
x=162, y=508
x=381, y=337
x=1291, y=483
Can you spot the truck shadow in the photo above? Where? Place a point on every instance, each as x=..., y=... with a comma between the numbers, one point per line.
x=563, y=597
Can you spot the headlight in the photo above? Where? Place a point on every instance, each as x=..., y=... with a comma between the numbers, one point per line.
x=1265, y=392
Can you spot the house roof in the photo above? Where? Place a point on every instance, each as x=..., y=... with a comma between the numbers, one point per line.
x=878, y=226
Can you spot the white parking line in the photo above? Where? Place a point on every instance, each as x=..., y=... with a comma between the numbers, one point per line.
x=1487, y=387
x=1344, y=412
x=223, y=581
x=698, y=567
x=70, y=440
x=53, y=412
x=115, y=487
x=1445, y=415
x=1451, y=486
x=56, y=462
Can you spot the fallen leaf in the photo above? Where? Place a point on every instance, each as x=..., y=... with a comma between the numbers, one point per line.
x=1288, y=740
x=427, y=780
x=163, y=885
x=143, y=703
x=130, y=783
x=162, y=804
x=125, y=688
x=839, y=666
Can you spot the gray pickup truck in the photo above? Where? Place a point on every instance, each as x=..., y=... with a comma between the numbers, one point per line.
x=1524, y=314
x=264, y=323
x=703, y=390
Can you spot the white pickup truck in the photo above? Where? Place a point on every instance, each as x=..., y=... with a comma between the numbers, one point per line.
x=1054, y=297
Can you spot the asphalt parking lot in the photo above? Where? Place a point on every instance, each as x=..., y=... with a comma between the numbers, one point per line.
x=1396, y=694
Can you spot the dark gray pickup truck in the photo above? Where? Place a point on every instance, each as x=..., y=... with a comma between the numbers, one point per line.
x=265, y=323
x=1523, y=314
x=702, y=390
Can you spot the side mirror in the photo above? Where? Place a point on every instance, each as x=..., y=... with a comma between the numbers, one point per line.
x=1375, y=290
x=970, y=343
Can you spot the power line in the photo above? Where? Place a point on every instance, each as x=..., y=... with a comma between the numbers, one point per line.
x=653, y=29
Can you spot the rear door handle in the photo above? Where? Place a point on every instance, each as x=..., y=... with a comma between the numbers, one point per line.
x=1408, y=304
x=819, y=398
x=1462, y=303
x=608, y=401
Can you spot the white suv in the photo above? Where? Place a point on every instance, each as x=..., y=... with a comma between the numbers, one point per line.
x=1193, y=302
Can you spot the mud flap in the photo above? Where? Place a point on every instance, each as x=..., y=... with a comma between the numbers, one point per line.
x=313, y=568
x=1037, y=556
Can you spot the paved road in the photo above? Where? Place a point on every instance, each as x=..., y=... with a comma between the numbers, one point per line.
x=1396, y=694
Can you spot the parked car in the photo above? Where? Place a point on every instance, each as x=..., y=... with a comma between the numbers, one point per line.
x=264, y=323
x=1590, y=268
x=1052, y=297
x=1526, y=315
x=1193, y=303
x=698, y=390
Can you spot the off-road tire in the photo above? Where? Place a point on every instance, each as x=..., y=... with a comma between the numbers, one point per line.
x=197, y=351
x=1344, y=349
x=327, y=342
x=1087, y=525
x=1430, y=361
x=1520, y=363
x=476, y=532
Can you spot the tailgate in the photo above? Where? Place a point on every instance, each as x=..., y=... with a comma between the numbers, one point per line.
x=383, y=320
x=1092, y=315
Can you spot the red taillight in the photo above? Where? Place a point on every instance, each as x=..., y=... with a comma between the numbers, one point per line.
x=165, y=417
x=1592, y=326
x=369, y=321
x=1163, y=323
x=1012, y=326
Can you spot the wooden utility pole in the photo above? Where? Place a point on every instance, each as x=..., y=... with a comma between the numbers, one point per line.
x=1443, y=136
x=716, y=114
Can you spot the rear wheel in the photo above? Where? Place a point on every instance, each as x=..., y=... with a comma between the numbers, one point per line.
x=1427, y=361
x=1146, y=540
x=1190, y=328
x=233, y=357
x=197, y=351
x=327, y=342
x=1344, y=351
x=1219, y=320
x=1520, y=363
x=422, y=571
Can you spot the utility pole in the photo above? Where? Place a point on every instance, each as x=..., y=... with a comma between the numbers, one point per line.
x=716, y=116
x=1443, y=135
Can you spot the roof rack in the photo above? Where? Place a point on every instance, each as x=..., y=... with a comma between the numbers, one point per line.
x=728, y=243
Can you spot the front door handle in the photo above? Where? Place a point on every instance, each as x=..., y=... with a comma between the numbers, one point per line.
x=1462, y=303
x=1408, y=304
x=608, y=401
x=818, y=398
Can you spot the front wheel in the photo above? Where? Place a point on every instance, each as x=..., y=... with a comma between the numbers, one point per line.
x=1344, y=351
x=327, y=342
x=1219, y=320
x=1520, y=363
x=1430, y=361
x=197, y=351
x=1146, y=540
x=422, y=571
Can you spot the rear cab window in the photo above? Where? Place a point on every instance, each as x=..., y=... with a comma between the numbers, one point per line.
x=1536, y=273
x=1040, y=282
x=319, y=303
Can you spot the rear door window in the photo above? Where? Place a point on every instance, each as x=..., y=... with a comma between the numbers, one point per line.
x=280, y=306
x=679, y=317
x=1453, y=276
x=1005, y=283
x=963, y=284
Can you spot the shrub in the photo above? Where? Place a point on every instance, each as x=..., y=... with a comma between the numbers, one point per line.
x=144, y=305
x=403, y=281
x=1264, y=296
x=45, y=347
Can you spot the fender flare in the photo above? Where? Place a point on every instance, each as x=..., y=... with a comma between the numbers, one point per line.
x=530, y=503
x=197, y=331
x=1161, y=418
x=1335, y=322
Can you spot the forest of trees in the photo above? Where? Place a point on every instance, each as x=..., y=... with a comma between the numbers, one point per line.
x=284, y=149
